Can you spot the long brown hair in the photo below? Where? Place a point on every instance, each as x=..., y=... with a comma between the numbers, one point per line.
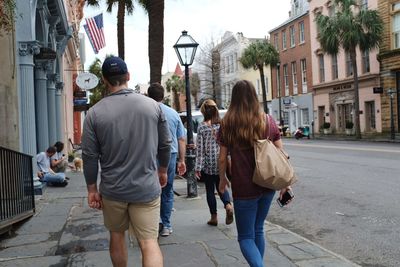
x=210, y=112
x=245, y=121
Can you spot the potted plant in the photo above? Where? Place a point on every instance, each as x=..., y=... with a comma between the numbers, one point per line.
x=349, y=127
x=326, y=126
x=71, y=156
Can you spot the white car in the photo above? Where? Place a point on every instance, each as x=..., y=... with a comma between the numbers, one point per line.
x=197, y=118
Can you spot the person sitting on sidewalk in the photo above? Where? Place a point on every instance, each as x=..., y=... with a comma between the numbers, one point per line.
x=46, y=174
x=58, y=162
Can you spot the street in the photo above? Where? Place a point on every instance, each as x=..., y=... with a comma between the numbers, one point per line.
x=346, y=198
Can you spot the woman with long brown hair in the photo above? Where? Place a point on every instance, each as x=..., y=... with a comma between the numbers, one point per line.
x=244, y=123
x=207, y=153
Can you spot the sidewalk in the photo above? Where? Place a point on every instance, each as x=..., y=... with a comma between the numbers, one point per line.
x=66, y=232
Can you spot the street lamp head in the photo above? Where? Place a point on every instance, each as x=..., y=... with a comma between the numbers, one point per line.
x=186, y=48
x=278, y=64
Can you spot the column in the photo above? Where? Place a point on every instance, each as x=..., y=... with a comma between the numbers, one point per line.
x=59, y=114
x=51, y=106
x=42, y=121
x=26, y=101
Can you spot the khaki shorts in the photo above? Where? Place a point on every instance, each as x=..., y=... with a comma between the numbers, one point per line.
x=143, y=217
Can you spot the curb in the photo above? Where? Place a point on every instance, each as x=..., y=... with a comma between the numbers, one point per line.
x=335, y=255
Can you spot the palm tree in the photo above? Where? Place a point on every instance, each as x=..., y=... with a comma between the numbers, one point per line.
x=176, y=85
x=155, y=11
x=122, y=6
x=349, y=28
x=100, y=91
x=256, y=56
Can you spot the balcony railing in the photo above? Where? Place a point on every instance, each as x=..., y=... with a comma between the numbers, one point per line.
x=17, y=199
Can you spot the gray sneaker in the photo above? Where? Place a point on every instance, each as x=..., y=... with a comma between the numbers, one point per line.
x=166, y=231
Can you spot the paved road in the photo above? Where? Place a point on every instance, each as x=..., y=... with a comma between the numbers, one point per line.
x=346, y=199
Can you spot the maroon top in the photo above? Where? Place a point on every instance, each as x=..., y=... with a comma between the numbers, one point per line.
x=243, y=164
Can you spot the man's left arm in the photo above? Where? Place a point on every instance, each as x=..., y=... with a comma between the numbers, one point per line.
x=180, y=134
x=164, y=148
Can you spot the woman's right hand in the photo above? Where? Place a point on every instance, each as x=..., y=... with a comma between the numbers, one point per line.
x=222, y=185
x=198, y=174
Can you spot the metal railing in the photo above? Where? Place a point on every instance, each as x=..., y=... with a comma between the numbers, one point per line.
x=17, y=198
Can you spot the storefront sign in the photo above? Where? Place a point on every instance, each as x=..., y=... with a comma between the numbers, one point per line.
x=378, y=90
x=46, y=53
x=343, y=87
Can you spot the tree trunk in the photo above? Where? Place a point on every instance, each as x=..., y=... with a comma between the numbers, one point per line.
x=121, y=29
x=264, y=93
x=155, y=9
x=177, y=105
x=356, y=95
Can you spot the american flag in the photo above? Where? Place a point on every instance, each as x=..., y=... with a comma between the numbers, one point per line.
x=95, y=31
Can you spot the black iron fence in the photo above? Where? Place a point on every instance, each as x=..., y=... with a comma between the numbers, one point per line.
x=17, y=199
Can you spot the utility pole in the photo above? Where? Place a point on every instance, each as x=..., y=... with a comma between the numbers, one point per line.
x=391, y=93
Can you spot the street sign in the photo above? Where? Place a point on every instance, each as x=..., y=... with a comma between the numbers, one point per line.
x=80, y=94
x=46, y=53
x=378, y=90
x=87, y=81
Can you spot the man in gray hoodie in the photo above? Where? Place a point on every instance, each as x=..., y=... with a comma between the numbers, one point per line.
x=126, y=133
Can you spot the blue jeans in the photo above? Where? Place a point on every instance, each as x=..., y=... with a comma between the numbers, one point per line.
x=212, y=182
x=167, y=194
x=250, y=215
x=58, y=177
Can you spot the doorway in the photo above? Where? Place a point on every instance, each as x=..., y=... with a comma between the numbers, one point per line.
x=344, y=113
x=321, y=116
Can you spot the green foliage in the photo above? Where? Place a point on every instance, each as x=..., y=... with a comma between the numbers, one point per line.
x=259, y=54
x=111, y=3
x=349, y=125
x=100, y=91
x=349, y=28
x=326, y=125
x=176, y=85
x=7, y=15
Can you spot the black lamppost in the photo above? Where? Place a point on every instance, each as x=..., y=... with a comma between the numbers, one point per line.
x=185, y=48
x=278, y=83
x=391, y=93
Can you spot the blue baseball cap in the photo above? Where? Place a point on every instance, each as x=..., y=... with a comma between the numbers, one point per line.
x=113, y=66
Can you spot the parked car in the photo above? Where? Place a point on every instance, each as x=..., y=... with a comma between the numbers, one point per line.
x=197, y=118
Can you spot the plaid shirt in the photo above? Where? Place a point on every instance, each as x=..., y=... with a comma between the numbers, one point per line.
x=207, y=149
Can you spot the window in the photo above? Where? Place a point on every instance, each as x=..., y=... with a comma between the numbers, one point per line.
x=365, y=61
x=294, y=78
x=236, y=62
x=321, y=68
x=335, y=71
x=231, y=63
x=331, y=10
x=349, y=65
x=291, y=32
x=276, y=41
x=364, y=4
x=226, y=64
x=305, y=118
x=286, y=79
x=301, y=32
x=285, y=118
x=303, y=66
x=266, y=85
x=258, y=86
x=396, y=25
x=284, y=40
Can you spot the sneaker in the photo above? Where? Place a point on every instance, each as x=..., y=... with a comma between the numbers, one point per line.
x=166, y=231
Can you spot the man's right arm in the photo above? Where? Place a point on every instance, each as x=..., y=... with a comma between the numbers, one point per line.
x=164, y=148
x=90, y=152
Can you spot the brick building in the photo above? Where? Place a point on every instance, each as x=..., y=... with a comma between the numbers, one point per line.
x=389, y=57
x=292, y=79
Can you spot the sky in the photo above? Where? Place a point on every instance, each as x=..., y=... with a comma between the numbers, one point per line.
x=205, y=20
